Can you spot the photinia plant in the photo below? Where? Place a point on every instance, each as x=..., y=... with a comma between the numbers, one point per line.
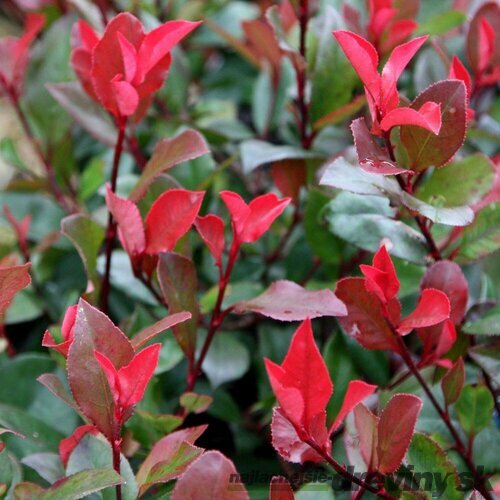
x=156, y=323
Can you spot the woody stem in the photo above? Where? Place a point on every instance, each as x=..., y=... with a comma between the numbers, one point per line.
x=479, y=483
x=116, y=463
x=111, y=229
x=341, y=470
x=302, y=75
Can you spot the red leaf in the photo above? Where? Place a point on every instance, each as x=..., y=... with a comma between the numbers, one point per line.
x=437, y=340
x=459, y=72
x=159, y=42
x=280, y=489
x=423, y=147
x=398, y=60
x=449, y=278
x=367, y=427
x=433, y=307
x=67, y=445
x=129, y=382
x=251, y=221
x=395, y=430
x=357, y=391
x=364, y=59
x=151, y=331
x=381, y=277
x=210, y=476
x=168, y=153
x=301, y=397
x=427, y=117
x=170, y=218
x=12, y=280
x=94, y=331
x=211, y=230
x=290, y=446
x=164, y=451
x=67, y=331
x=289, y=176
x=129, y=221
x=365, y=321
x=371, y=157
x=478, y=44
x=287, y=301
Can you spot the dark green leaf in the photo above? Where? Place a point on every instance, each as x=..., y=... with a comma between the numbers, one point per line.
x=474, y=408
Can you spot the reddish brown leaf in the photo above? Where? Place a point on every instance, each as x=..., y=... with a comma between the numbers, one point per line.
x=366, y=424
x=365, y=321
x=449, y=278
x=168, y=153
x=12, y=280
x=179, y=285
x=210, y=476
x=289, y=176
x=453, y=382
x=280, y=489
x=151, y=331
x=426, y=149
x=395, y=430
x=371, y=157
x=286, y=301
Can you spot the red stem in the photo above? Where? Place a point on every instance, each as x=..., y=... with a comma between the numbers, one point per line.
x=116, y=462
x=444, y=415
x=111, y=229
x=346, y=474
x=218, y=316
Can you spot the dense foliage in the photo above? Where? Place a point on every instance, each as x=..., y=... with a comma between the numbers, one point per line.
x=249, y=249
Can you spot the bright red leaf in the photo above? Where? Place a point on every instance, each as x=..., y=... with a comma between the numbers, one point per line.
x=211, y=230
x=381, y=277
x=67, y=332
x=170, y=218
x=381, y=90
x=251, y=221
x=14, y=54
x=433, y=307
x=129, y=382
x=67, y=445
x=124, y=67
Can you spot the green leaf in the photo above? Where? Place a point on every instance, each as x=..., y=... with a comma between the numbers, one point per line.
x=92, y=178
x=94, y=453
x=474, y=408
x=324, y=244
x=195, y=403
x=227, y=359
x=255, y=153
x=330, y=90
x=462, y=182
x=489, y=324
x=73, y=487
x=47, y=465
x=168, y=153
x=482, y=237
x=428, y=460
x=442, y=23
x=364, y=222
x=87, y=236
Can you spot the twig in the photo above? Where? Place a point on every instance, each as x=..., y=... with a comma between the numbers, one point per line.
x=302, y=76
x=111, y=229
